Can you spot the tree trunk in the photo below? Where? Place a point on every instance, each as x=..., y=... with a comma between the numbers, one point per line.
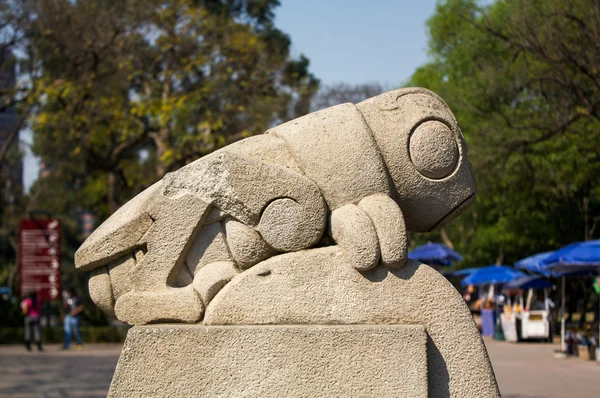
x=161, y=141
x=446, y=238
x=586, y=218
x=587, y=295
x=112, y=192
x=14, y=270
x=500, y=257
x=13, y=134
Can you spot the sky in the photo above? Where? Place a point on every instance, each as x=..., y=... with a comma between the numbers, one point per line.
x=350, y=41
x=358, y=41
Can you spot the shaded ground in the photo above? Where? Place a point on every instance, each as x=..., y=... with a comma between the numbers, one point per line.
x=526, y=370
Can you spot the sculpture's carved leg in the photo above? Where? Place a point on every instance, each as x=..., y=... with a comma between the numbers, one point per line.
x=391, y=231
x=353, y=231
x=245, y=244
x=210, y=246
x=211, y=278
x=176, y=222
x=285, y=207
x=101, y=291
x=168, y=305
x=287, y=226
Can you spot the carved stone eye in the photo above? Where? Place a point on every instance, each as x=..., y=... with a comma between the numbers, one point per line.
x=433, y=149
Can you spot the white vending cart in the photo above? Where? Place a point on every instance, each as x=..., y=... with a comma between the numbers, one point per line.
x=528, y=318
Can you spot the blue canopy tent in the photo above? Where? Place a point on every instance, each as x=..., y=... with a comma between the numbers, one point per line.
x=492, y=274
x=574, y=259
x=434, y=254
x=460, y=272
x=529, y=282
x=532, y=263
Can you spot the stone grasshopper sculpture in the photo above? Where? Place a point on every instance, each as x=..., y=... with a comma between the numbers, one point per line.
x=356, y=176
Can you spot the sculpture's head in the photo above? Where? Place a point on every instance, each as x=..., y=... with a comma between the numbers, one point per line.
x=425, y=153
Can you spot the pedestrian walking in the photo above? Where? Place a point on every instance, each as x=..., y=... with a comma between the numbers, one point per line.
x=72, y=322
x=32, y=308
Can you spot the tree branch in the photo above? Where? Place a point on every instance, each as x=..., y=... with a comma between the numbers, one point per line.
x=13, y=134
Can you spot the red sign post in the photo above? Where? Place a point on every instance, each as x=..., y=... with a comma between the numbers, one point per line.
x=39, y=257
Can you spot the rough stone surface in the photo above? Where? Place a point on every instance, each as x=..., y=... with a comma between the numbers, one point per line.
x=212, y=278
x=335, y=148
x=119, y=233
x=273, y=361
x=353, y=231
x=209, y=247
x=168, y=305
x=425, y=202
x=388, y=221
x=391, y=164
x=120, y=271
x=237, y=238
x=244, y=186
x=266, y=148
x=318, y=287
x=100, y=290
x=433, y=149
x=286, y=226
x=246, y=245
x=166, y=241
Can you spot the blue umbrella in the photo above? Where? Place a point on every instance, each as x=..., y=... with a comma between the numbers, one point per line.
x=460, y=272
x=528, y=282
x=434, y=254
x=491, y=275
x=532, y=263
x=576, y=258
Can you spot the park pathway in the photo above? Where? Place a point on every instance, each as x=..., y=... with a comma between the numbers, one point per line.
x=529, y=370
x=525, y=370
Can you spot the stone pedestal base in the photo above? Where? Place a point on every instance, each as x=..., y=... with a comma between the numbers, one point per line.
x=273, y=361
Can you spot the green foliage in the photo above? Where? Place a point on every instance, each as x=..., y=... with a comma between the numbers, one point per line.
x=523, y=80
x=169, y=80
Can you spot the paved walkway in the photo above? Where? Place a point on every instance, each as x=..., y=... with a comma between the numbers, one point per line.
x=523, y=371
x=57, y=373
x=529, y=370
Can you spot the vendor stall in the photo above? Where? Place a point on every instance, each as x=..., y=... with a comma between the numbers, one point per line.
x=491, y=276
x=573, y=260
x=530, y=317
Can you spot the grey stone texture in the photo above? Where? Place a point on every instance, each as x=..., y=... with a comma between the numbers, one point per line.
x=304, y=225
x=119, y=234
x=388, y=221
x=393, y=118
x=273, y=361
x=317, y=287
x=365, y=173
x=360, y=250
x=335, y=148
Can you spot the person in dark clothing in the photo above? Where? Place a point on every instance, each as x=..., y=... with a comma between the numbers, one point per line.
x=72, y=322
x=32, y=308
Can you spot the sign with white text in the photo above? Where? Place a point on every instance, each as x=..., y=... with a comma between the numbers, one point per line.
x=39, y=257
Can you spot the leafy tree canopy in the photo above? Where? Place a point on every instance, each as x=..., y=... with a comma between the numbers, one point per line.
x=156, y=83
